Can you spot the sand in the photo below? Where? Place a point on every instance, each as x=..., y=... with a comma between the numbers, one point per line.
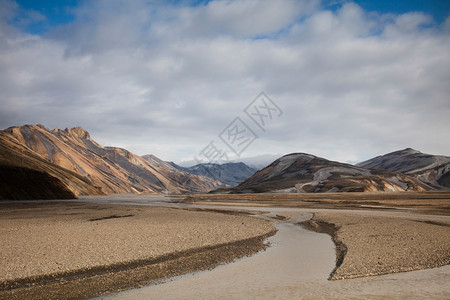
x=297, y=266
x=77, y=250
x=368, y=245
x=296, y=256
x=434, y=202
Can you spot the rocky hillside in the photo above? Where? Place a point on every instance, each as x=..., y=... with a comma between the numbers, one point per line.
x=108, y=169
x=432, y=170
x=231, y=174
x=299, y=172
x=26, y=175
x=17, y=183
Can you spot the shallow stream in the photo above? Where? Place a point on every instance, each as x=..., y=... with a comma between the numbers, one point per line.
x=297, y=265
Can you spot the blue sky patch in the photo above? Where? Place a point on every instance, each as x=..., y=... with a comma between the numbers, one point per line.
x=38, y=17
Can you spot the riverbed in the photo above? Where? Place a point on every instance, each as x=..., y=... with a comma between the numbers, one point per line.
x=297, y=265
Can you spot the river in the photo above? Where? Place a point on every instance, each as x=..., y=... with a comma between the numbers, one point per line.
x=296, y=266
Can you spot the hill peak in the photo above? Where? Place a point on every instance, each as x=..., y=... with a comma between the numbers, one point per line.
x=299, y=154
x=406, y=151
x=78, y=132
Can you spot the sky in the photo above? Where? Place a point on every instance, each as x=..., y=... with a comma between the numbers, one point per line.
x=184, y=80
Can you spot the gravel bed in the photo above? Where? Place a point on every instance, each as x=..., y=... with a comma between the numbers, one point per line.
x=375, y=245
x=49, y=243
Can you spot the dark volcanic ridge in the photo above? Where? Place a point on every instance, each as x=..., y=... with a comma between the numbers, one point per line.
x=39, y=185
x=431, y=170
x=300, y=172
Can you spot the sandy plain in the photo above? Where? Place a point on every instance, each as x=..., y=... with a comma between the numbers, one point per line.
x=297, y=266
x=368, y=245
x=387, y=234
x=66, y=250
x=379, y=235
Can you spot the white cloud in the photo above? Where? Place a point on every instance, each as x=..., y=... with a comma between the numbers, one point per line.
x=163, y=79
x=245, y=18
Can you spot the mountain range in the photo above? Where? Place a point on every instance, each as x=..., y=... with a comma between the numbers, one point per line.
x=406, y=170
x=105, y=169
x=431, y=170
x=231, y=174
x=255, y=162
x=39, y=163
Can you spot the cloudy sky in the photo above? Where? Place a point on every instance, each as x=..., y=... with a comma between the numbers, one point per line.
x=351, y=80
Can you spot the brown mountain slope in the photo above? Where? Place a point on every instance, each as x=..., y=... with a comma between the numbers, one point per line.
x=113, y=170
x=26, y=175
x=299, y=172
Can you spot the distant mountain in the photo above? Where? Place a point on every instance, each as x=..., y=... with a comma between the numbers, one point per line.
x=260, y=161
x=255, y=162
x=432, y=170
x=25, y=175
x=193, y=182
x=300, y=172
x=231, y=174
x=109, y=169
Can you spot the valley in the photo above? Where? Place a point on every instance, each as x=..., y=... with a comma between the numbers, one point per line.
x=85, y=167
x=139, y=221
x=378, y=239
x=224, y=149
